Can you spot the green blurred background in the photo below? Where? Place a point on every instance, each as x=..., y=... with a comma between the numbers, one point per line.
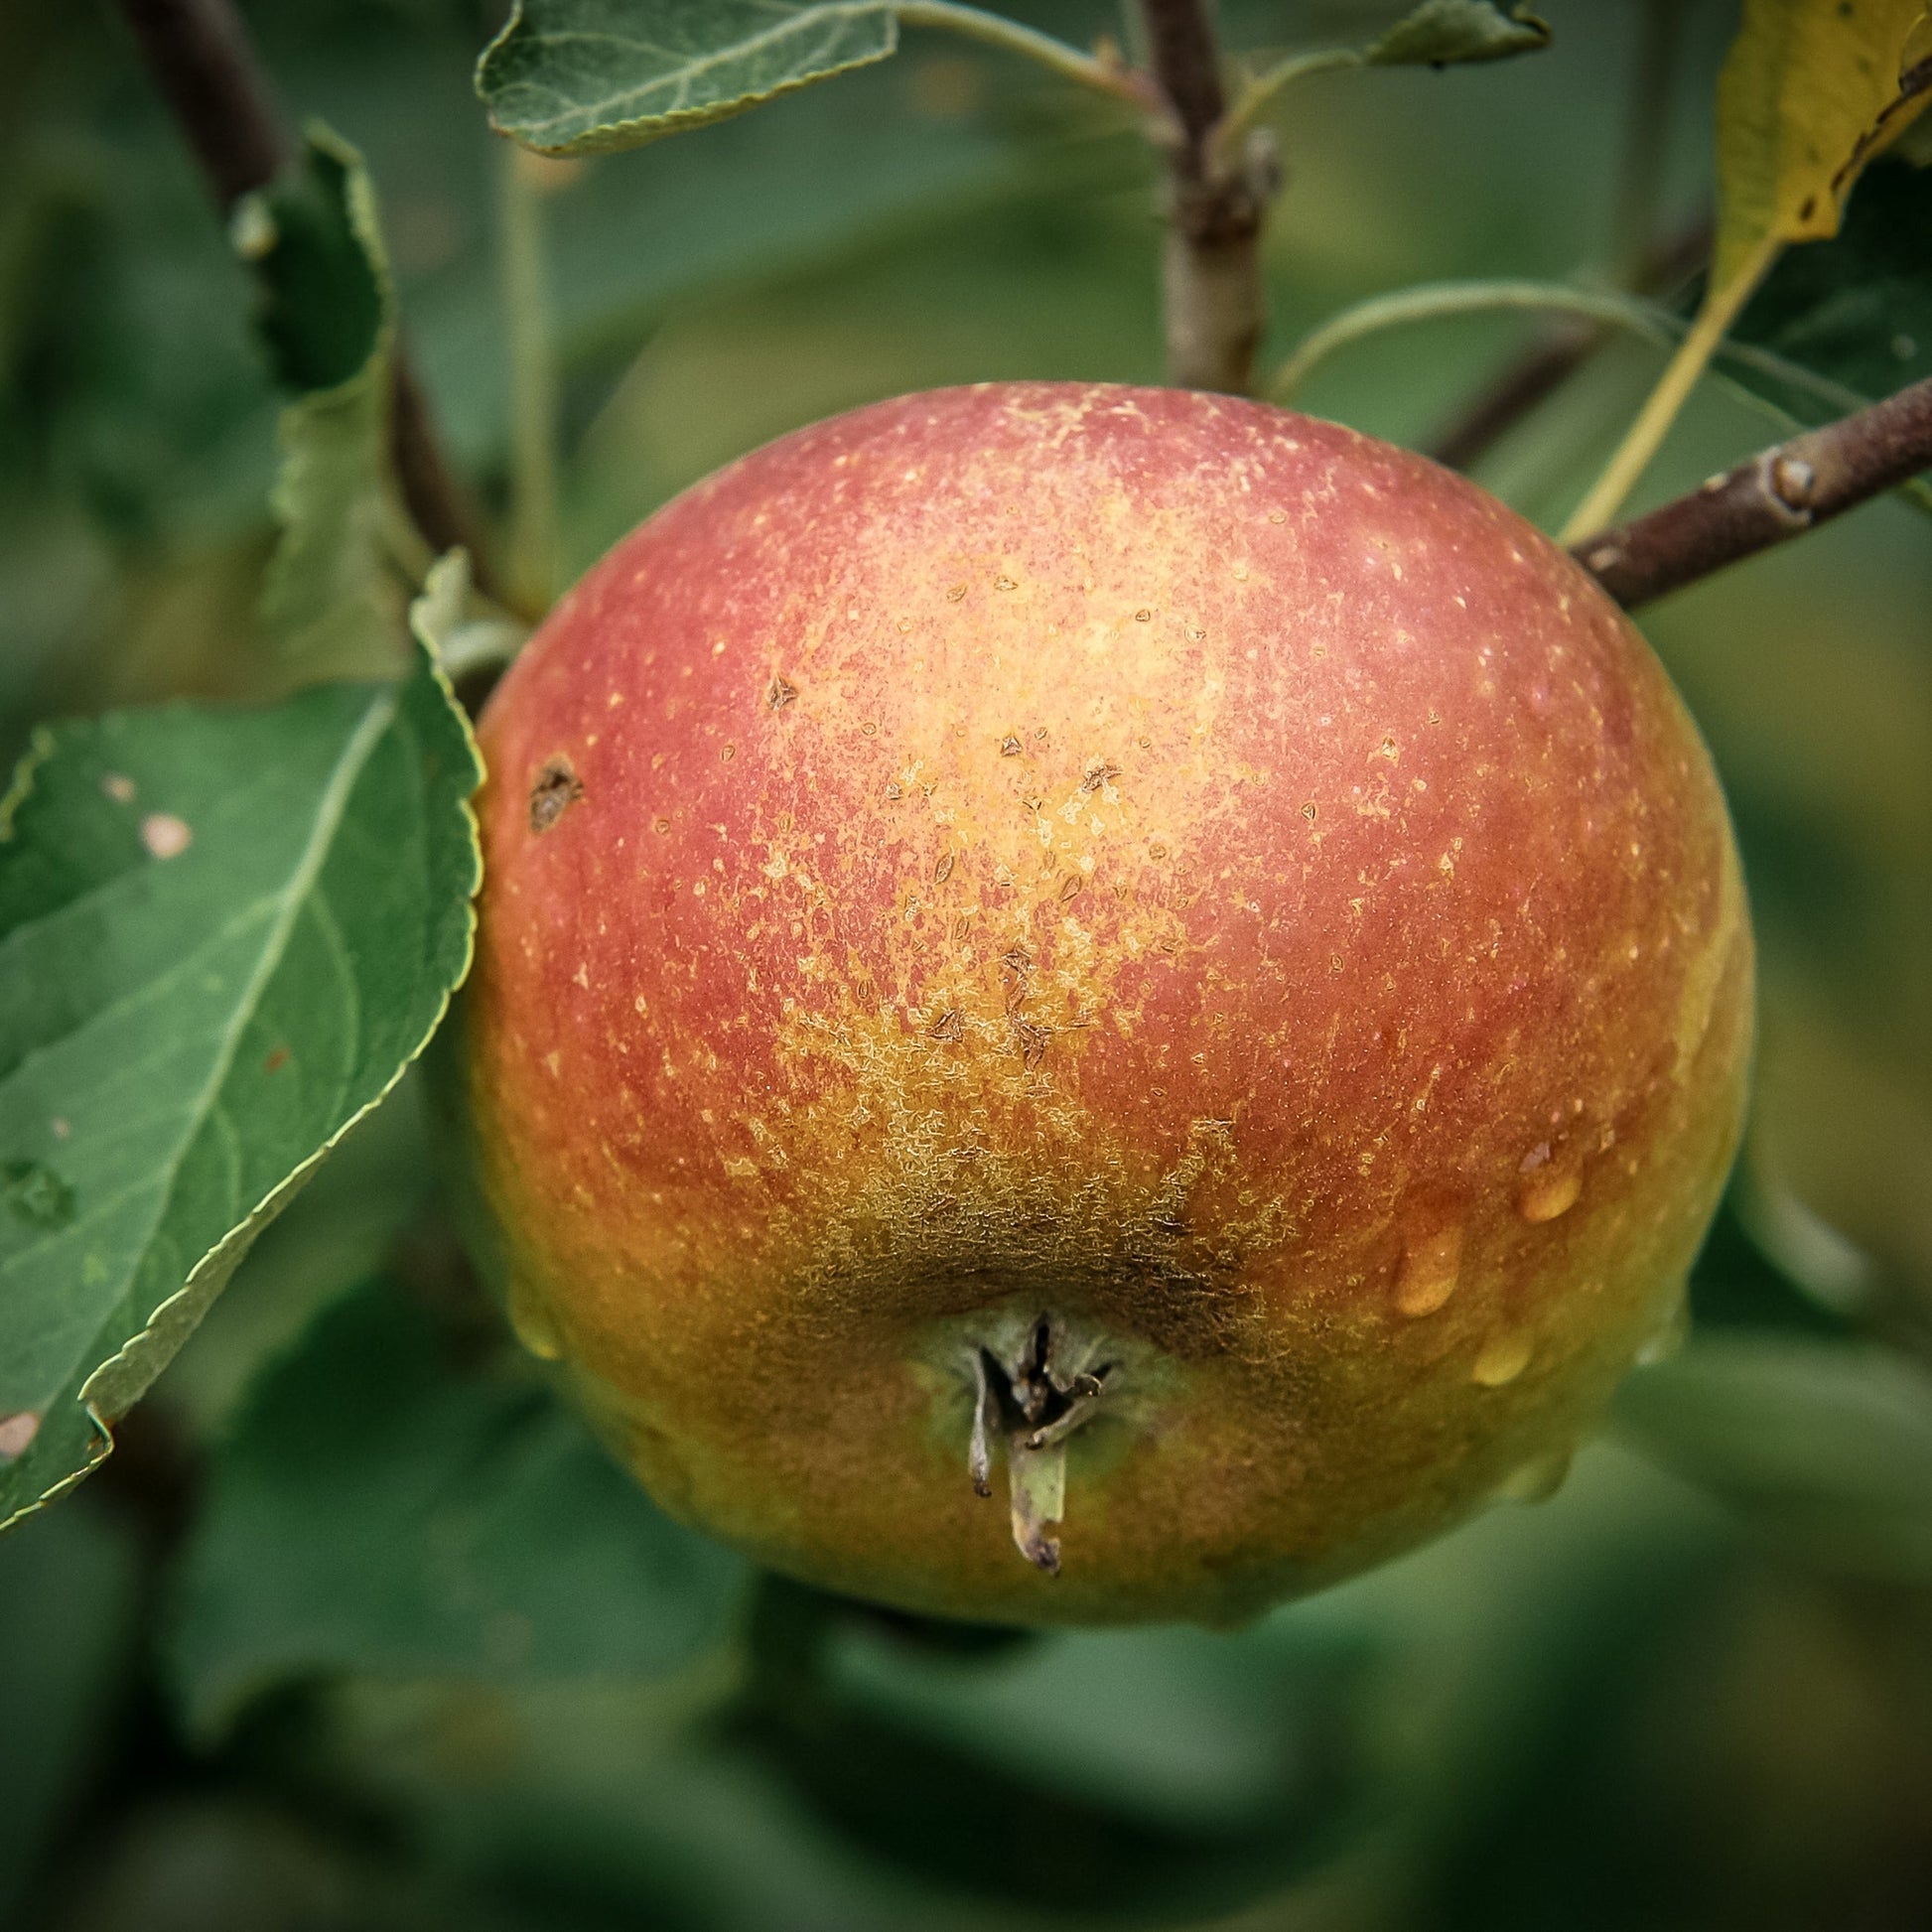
x=1692, y=1690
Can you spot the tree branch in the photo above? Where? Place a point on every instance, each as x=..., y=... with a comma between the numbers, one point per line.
x=200, y=57
x=1211, y=271
x=1775, y=495
x=205, y=66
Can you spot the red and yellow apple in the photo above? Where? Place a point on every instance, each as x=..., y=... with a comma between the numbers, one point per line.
x=1117, y=942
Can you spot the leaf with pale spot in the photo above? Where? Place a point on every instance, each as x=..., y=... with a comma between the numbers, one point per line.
x=224, y=934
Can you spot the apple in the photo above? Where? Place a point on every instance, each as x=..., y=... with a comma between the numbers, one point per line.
x=1120, y=946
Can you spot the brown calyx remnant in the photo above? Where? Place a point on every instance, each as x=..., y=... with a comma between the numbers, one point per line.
x=1032, y=1397
x=557, y=786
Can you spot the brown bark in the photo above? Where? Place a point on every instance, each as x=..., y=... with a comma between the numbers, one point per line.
x=1211, y=266
x=1772, y=496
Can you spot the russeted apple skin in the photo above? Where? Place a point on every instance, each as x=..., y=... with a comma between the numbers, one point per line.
x=1129, y=853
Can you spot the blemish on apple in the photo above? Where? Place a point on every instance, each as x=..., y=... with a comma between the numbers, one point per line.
x=555, y=788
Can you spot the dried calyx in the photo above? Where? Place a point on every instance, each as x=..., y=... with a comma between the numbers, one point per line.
x=1032, y=1397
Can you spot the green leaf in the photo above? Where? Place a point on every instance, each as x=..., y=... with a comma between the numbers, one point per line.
x=378, y=1512
x=1437, y=34
x=326, y=318
x=224, y=934
x=1844, y=323
x=1856, y=309
x=1236, y=1762
x=581, y=76
x=1445, y=32
x=313, y=243
x=1824, y=1446
x=68, y=1605
x=459, y=625
x=1740, y=1279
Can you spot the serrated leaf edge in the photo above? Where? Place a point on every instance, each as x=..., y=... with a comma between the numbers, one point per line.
x=368, y=386
x=613, y=136
x=181, y=1312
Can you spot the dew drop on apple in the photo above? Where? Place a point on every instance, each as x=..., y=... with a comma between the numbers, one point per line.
x=1503, y=1358
x=1669, y=1335
x=1538, y=1480
x=1431, y=1262
x=532, y=1322
x=1547, y=1190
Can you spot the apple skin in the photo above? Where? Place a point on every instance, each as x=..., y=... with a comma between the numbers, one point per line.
x=1132, y=855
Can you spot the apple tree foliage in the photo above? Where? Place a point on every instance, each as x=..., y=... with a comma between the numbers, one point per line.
x=227, y=930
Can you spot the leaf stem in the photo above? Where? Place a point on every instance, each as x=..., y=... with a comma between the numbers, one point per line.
x=1255, y=96
x=1767, y=499
x=993, y=30
x=1432, y=301
x=1546, y=365
x=1653, y=421
x=524, y=294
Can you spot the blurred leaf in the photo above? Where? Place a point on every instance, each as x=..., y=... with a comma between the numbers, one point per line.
x=328, y=318
x=132, y=383
x=592, y=1803
x=66, y=1610
x=1835, y=1276
x=379, y=1512
x=462, y=627
x=312, y=242
x=366, y=1198
x=1442, y=33
x=223, y=936
x=1856, y=309
x=1020, y=1773
x=582, y=76
x=1824, y=1446
x=1740, y=1279
x=196, y=1858
x=1811, y=91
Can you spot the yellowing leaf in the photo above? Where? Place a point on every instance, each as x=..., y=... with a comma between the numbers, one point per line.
x=1810, y=92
